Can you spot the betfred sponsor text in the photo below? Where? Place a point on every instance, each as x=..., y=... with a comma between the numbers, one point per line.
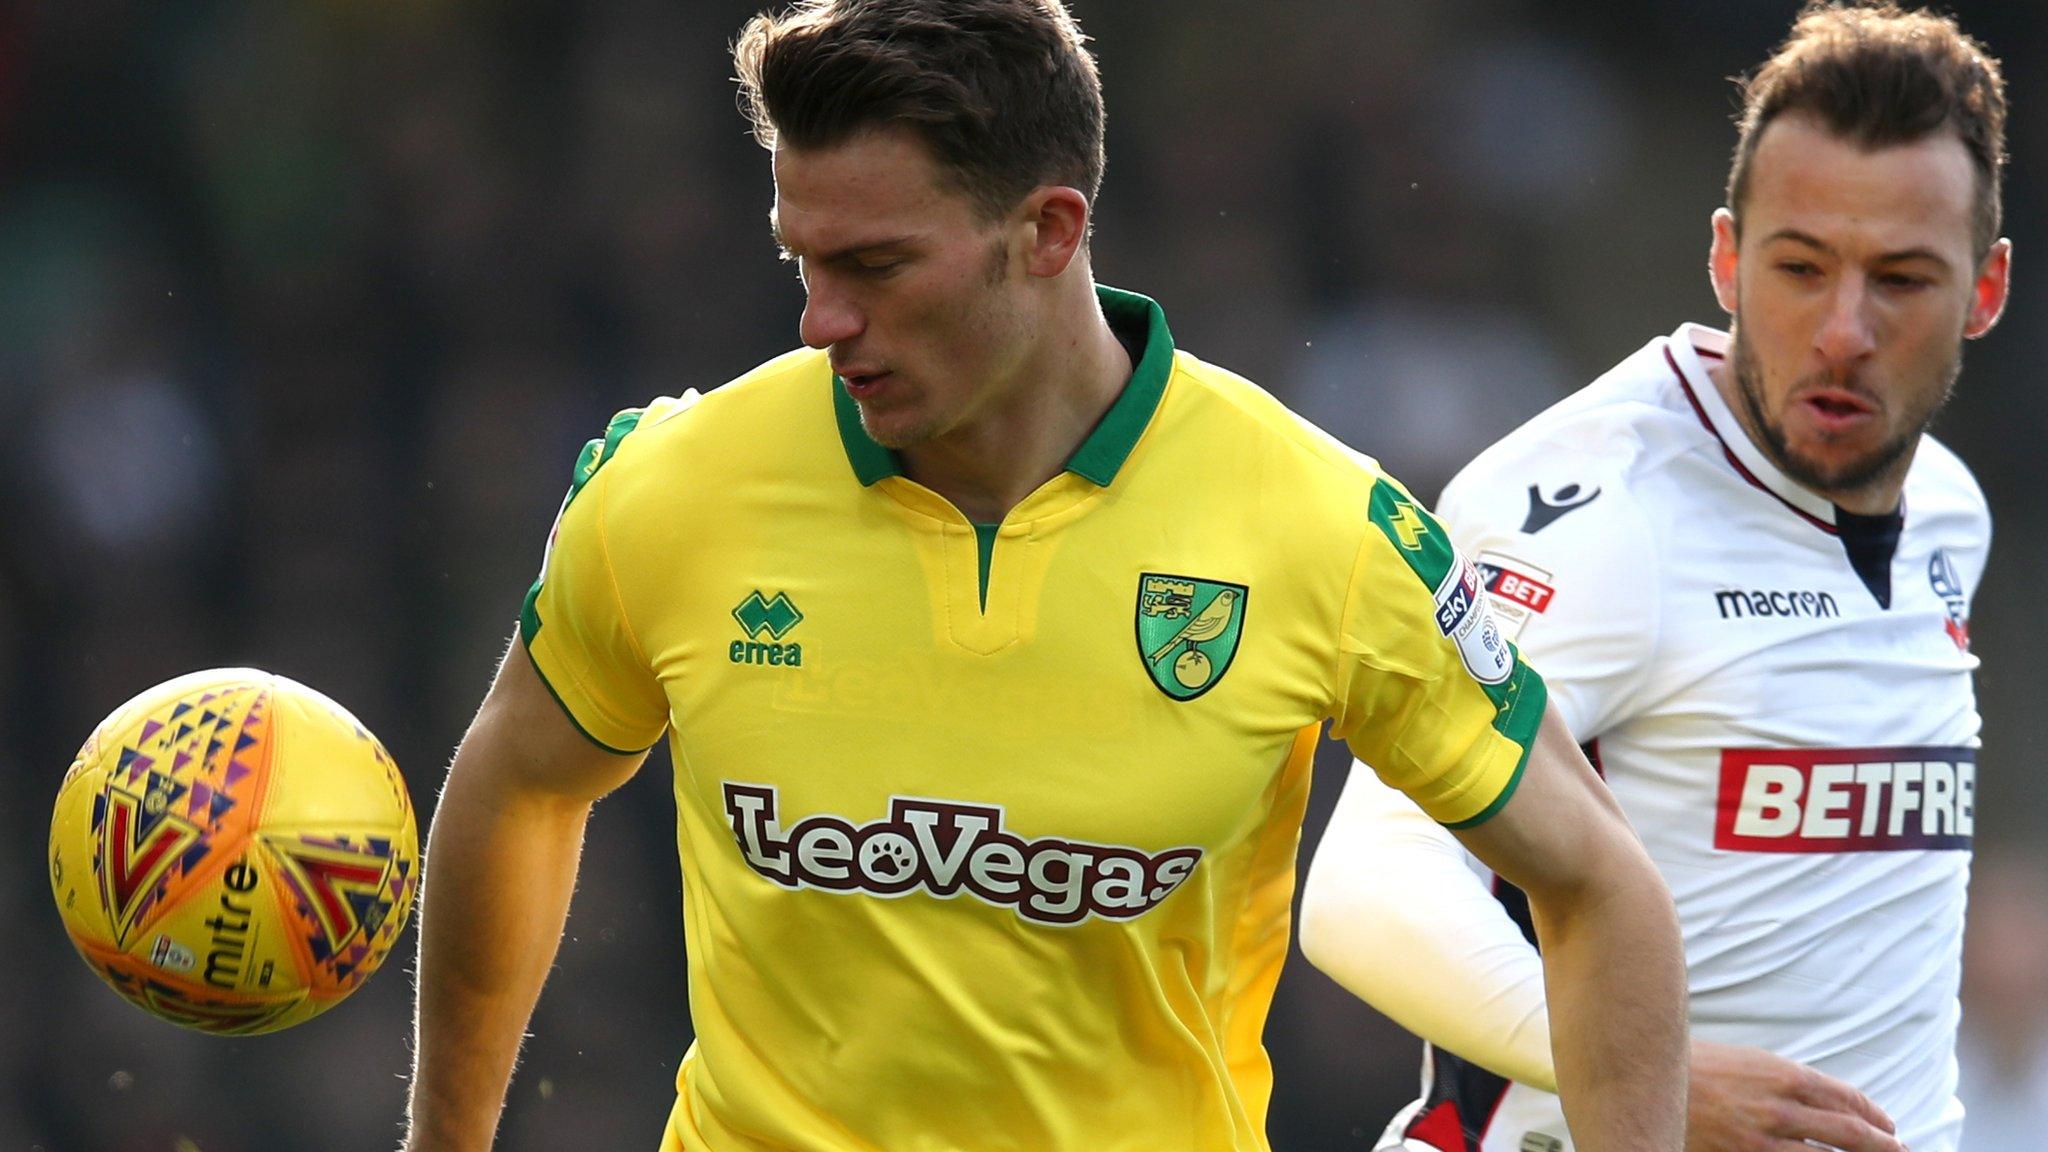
x=1846, y=799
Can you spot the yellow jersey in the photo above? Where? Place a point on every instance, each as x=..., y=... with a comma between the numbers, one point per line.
x=988, y=833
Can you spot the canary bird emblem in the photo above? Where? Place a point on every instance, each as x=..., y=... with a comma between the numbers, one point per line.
x=1188, y=629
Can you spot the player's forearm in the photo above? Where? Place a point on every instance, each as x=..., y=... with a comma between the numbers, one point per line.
x=500, y=869
x=1614, y=972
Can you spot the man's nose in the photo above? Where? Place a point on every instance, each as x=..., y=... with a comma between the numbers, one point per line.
x=1848, y=332
x=829, y=317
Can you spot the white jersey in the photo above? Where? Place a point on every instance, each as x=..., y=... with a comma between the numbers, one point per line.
x=1779, y=694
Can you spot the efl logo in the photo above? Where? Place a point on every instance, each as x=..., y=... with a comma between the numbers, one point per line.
x=1846, y=799
x=944, y=849
x=1465, y=618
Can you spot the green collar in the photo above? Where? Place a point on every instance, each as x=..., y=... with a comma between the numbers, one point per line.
x=1103, y=453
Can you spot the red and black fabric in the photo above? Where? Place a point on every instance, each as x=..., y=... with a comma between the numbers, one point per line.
x=1463, y=1096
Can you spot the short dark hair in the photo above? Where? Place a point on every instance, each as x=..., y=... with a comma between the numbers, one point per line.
x=1003, y=92
x=1879, y=75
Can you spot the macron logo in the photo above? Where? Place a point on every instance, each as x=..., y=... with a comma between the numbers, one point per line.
x=1846, y=799
x=1543, y=513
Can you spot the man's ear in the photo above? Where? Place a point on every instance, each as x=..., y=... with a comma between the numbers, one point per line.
x=1987, y=295
x=1722, y=260
x=1054, y=221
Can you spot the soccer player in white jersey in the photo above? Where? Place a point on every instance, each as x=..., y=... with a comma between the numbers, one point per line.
x=1745, y=570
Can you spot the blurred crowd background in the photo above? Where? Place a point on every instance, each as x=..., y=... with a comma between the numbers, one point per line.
x=306, y=307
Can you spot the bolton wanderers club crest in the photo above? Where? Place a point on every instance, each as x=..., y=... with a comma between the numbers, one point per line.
x=1941, y=574
x=1187, y=631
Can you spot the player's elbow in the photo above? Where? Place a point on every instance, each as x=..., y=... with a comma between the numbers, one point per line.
x=1357, y=899
x=1333, y=914
x=1613, y=871
x=1314, y=926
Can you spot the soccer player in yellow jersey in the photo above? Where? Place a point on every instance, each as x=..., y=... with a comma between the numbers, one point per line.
x=991, y=636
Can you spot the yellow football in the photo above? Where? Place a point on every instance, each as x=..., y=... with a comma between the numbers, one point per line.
x=233, y=851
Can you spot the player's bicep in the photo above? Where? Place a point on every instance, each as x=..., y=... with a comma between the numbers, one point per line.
x=523, y=742
x=1562, y=830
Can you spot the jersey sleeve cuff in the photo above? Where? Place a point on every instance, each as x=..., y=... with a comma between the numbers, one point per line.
x=1507, y=792
x=611, y=737
x=1519, y=722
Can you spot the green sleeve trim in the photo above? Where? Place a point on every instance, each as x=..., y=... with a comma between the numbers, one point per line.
x=1418, y=537
x=529, y=612
x=594, y=455
x=1522, y=702
x=985, y=553
x=602, y=449
x=1425, y=546
x=526, y=645
x=1499, y=802
x=1519, y=722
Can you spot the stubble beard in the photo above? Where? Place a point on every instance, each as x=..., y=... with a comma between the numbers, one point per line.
x=931, y=425
x=1850, y=475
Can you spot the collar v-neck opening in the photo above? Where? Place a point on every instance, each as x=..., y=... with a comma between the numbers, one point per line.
x=1872, y=542
x=1137, y=321
x=1687, y=352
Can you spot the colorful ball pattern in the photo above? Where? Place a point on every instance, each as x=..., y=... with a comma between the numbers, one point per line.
x=233, y=851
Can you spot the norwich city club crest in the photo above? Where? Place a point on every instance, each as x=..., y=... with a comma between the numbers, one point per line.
x=1187, y=631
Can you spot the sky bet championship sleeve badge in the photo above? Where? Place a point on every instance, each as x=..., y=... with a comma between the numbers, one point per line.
x=1187, y=631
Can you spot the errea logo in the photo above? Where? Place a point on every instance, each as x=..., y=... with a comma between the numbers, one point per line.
x=1408, y=525
x=766, y=621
